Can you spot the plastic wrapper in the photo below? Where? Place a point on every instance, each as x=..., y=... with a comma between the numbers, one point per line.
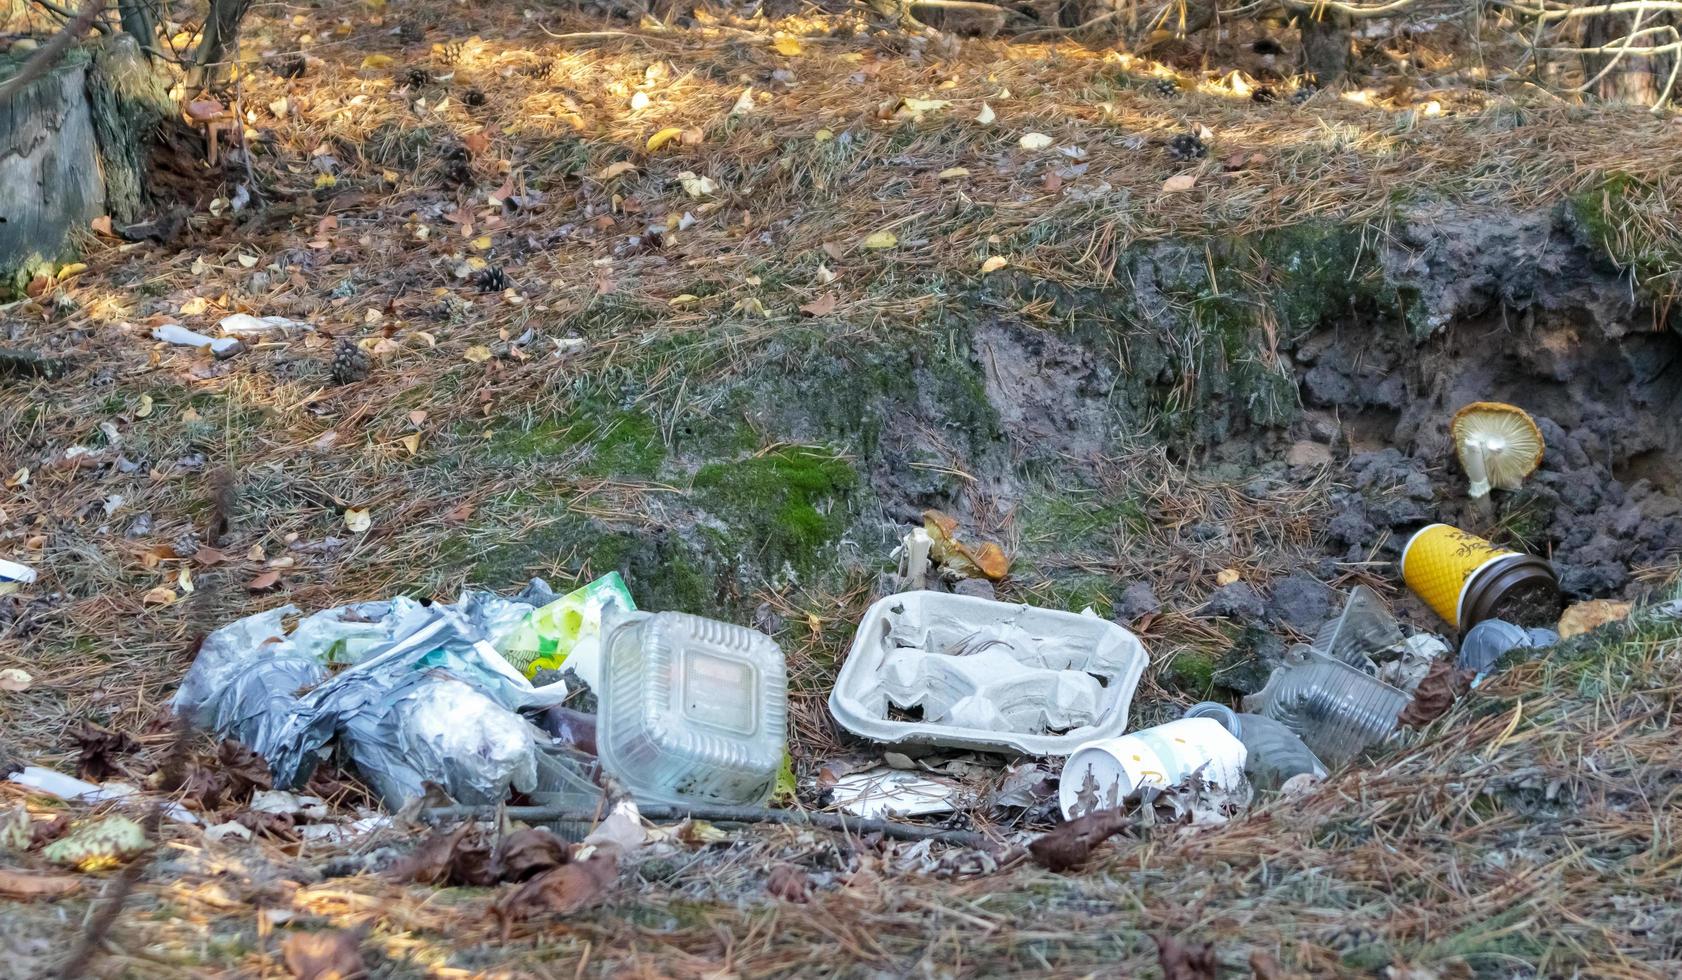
x=426, y=699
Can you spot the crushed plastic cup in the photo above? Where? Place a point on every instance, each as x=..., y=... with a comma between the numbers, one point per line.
x=1336, y=709
x=1274, y=753
x=1363, y=629
x=1105, y=773
x=691, y=710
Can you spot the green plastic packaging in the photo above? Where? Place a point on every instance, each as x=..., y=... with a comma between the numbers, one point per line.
x=552, y=632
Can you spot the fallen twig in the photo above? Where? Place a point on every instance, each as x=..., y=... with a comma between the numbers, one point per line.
x=739, y=814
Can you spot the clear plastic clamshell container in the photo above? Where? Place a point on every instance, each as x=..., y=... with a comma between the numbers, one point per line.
x=1337, y=709
x=691, y=710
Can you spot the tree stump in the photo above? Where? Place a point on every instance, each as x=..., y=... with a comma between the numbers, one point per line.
x=50, y=182
x=74, y=145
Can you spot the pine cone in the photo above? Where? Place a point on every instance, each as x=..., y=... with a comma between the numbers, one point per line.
x=411, y=32
x=1303, y=94
x=290, y=66
x=417, y=77
x=448, y=53
x=491, y=279
x=473, y=98
x=1187, y=147
x=1165, y=87
x=350, y=363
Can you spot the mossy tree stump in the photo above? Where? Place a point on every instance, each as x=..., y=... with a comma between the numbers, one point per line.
x=73, y=146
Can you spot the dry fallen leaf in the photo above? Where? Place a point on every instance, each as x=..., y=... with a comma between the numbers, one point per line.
x=159, y=596
x=145, y=408
x=994, y=264
x=1034, y=141
x=1178, y=183
x=412, y=442
x=377, y=61
x=23, y=886
x=987, y=561
x=477, y=354
x=789, y=883
x=881, y=239
x=1226, y=576
x=1586, y=616
x=986, y=116
x=357, y=519
x=460, y=512
x=663, y=137
x=822, y=306
x=562, y=890
x=1182, y=962
x=1070, y=845
x=786, y=46
x=328, y=955
x=102, y=225
x=953, y=173
x=265, y=580
x=13, y=679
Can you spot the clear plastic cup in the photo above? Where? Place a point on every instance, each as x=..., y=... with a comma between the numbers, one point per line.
x=1336, y=709
x=692, y=710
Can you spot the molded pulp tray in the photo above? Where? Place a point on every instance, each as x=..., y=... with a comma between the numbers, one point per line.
x=1074, y=674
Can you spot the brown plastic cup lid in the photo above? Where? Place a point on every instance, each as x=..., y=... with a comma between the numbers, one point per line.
x=1521, y=589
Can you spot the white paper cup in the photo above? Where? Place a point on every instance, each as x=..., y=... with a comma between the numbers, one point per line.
x=1101, y=775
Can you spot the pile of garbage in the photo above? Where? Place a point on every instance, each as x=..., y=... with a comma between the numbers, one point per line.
x=490, y=698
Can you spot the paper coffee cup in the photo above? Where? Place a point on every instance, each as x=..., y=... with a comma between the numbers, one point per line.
x=1103, y=774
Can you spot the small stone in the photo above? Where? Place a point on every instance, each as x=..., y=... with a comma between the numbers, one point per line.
x=1300, y=602
x=978, y=588
x=1137, y=601
x=1308, y=454
x=1250, y=661
x=1236, y=601
x=897, y=760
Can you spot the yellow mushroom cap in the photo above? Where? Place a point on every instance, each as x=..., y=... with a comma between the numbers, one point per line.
x=1498, y=445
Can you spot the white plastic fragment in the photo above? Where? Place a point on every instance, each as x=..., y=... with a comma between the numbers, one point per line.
x=11, y=571
x=878, y=793
x=54, y=783
x=221, y=347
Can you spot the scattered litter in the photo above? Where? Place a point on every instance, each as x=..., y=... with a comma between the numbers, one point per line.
x=1582, y=617
x=81, y=791
x=1467, y=580
x=692, y=710
x=1498, y=445
x=1404, y=665
x=1273, y=753
x=221, y=347
x=14, y=575
x=222, y=831
x=15, y=679
x=913, y=555
x=1360, y=632
x=621, y=828
x=97, y=845
x=881, y=793
x=1103, y=774
x=246, y=326
x=927, y=668
x=1489, y=641
x=282, y=803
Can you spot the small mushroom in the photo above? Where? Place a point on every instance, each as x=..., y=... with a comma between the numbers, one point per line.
x=212, y=115
x=1498, y=444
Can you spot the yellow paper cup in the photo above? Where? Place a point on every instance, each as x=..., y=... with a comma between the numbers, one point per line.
x=1440, y=562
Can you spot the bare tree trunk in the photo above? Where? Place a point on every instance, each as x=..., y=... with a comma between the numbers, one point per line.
x=1325, y=45
x=49, y=172
x=221, y=30
x=1637, y=78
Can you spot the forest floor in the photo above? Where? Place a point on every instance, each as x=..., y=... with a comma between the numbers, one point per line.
x=558, y=245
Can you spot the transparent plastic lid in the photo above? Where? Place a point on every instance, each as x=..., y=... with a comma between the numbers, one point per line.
x=692, y=710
